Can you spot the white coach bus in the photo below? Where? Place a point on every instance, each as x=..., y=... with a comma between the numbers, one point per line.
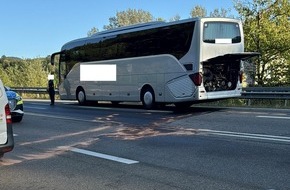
x=181, y=62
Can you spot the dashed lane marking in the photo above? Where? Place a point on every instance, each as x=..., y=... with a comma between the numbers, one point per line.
x=104, y=156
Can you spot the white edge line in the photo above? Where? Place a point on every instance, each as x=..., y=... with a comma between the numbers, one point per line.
x=252, y=137
x=273, y=117
x=104, y=156
x=244, y=134
x=60, y=117
x=34, y=107
x=247, y=135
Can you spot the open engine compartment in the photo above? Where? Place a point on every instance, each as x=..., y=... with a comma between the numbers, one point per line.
x=221, y=74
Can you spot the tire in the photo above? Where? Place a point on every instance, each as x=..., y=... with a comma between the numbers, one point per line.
x=81, y=97
x=17, y=119
x=148, y=99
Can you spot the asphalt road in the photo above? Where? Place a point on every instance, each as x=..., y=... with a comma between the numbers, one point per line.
x=125, y=147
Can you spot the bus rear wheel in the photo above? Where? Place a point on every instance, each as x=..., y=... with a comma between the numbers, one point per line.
x=81, y=96
x=148, y=99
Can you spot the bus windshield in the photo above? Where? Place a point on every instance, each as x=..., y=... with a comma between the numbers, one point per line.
x=221, y=32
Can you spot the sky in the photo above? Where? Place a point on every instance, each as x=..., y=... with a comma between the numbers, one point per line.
x=38, y=28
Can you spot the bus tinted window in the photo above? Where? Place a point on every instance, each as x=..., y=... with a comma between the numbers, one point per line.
x=173, y=39
x=221, y=30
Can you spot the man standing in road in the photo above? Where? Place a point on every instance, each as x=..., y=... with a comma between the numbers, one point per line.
x=51, y=91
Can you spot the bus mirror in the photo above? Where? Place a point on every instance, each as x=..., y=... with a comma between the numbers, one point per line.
x=52, y=59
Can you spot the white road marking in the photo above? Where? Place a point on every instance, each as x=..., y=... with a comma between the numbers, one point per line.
x=247, y=135
x=33, y=107
x=272, y=117
x=105, y=156
x=61, y=117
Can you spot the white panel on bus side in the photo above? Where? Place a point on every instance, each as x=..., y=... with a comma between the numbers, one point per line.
x=181, y=87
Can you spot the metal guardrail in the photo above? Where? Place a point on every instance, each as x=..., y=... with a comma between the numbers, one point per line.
x=33, y=90
x=270, y=93
x=274, y=93
x=247, y=93
x=282, y=93
x=266, y=93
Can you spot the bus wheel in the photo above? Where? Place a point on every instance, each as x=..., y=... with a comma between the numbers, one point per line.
x=81, y=96
x=148, y=99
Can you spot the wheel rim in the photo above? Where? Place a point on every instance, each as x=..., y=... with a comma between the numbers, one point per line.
x=148, y=99
x=81, y=96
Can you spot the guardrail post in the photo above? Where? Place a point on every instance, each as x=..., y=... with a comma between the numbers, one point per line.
x=249, y=102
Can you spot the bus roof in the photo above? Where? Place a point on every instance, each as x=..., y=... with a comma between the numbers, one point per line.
x=124, y=28
x=152, y=24
x=131, y=28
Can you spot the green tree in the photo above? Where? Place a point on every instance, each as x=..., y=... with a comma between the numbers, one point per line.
x=33, y=73
x=92, y=31
x=198, y=11
x=28, y=72
x=8, y=69
x=175, y=18
x=129, y=17
x=266, y=29
x=4, y=76
x=221, y=13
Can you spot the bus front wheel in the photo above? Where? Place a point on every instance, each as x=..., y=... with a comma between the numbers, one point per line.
x=81, y=96
x=148, y=99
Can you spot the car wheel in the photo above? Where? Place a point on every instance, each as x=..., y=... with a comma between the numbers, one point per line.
x=17, y=119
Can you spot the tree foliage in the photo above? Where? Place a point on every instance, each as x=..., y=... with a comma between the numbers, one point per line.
x=266, y=29
x=129, y=17
x=221, y=13
x=92, y=31
x=27, y=72
x=175, y=18
x=199, y=11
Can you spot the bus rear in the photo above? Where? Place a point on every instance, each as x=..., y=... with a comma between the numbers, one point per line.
x=221, y=57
